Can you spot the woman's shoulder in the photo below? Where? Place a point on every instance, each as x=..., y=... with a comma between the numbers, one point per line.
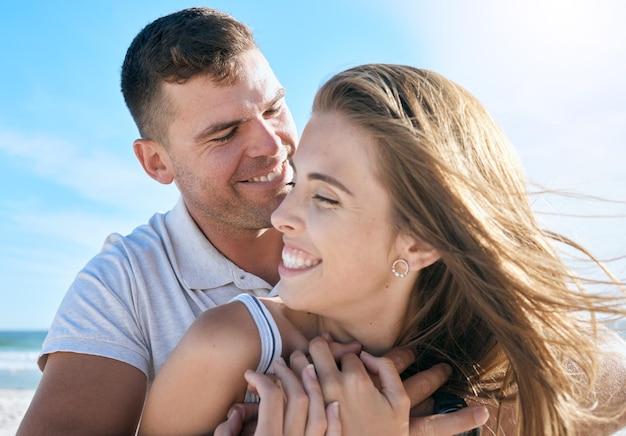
x=296, y=327
x=225, y=327
x=203, y=376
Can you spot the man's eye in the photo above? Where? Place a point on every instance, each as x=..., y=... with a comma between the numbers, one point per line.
x=226, y=137
x=272, y=111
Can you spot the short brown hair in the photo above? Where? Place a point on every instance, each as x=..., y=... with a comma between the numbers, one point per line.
x=175, y=48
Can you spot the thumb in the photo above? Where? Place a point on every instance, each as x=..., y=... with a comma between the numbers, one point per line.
x=233, y=424
x=332, y=418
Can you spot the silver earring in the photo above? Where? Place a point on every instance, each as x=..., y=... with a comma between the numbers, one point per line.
x=404, y=263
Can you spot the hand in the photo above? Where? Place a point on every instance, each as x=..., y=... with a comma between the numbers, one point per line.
x=287, y=407
x=366, y=409
x=420, y=387
x=240, y=421
x=242, y=417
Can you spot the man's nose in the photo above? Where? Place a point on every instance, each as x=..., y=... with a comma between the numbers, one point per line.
x=265, y=142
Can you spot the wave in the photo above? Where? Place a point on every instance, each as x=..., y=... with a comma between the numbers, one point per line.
x=14, y=361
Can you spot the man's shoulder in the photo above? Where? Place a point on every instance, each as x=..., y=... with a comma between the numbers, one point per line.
x=121, y=256
x=154, y=230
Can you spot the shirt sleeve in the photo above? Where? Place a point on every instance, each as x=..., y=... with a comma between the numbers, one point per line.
x=97, y=316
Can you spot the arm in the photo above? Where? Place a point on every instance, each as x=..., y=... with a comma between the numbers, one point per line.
x=204, y=374
x=291, y=407
x=366, y=409
x=304, y=401
x=91, y=386
x=88, y=394
x=420, y=388
x=363, y=407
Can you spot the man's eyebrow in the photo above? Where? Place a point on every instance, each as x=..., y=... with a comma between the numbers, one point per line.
x=330, y=180
x=215, y=128
x=219, y=127
x=280, y=93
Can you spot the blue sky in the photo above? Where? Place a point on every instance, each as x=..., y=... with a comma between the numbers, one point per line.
x=550, y=71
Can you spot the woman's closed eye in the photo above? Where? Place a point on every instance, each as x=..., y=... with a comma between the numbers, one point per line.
x=318, y=197
x=326, y=200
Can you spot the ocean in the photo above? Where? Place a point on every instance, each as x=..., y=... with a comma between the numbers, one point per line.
x=19, y=351
x=18, y=358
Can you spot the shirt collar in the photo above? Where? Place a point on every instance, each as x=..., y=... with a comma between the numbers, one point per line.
x=200, y=264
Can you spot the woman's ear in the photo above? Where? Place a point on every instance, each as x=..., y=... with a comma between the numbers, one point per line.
x=154, y=159
x=417, y=253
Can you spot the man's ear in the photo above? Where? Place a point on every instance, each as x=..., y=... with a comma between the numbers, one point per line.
x=417, y=253
x=154, y=159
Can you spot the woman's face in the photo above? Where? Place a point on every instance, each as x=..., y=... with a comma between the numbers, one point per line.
x=338, y=234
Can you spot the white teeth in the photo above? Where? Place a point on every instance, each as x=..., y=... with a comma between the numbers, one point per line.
x=296, y=260
x=269, y=177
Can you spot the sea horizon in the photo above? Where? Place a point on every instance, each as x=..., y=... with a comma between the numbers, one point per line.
x=19, y=350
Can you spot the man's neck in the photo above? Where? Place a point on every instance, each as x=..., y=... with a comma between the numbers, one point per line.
x=257, y=252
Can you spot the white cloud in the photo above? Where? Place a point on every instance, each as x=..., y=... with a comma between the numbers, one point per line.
x=97, y=174
x=73, y=227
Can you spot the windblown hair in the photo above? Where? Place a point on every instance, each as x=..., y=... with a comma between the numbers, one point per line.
x=500, y=305
x=175, y=48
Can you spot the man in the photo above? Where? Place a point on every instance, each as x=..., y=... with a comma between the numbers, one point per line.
x=213, y=119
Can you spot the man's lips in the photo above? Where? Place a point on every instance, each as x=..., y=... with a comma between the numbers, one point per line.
x=276, y=172
x=269, y=176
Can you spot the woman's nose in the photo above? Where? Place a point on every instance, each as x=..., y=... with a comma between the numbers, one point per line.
x=285, y=218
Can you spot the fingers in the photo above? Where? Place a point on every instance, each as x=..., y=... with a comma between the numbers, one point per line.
x=298, y=361
x=317, y=420
x=364, y=409
x=390, y=383
x=401, y=357
x=332, y=417
x=297, y=401
x=238, y=415
x=422, y=385
x=232, y=426
x=450, y=423
x=326, y=368
x=338, y=350
x=271, y=407
x=305, y=412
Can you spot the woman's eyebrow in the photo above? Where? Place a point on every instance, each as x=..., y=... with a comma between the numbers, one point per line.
x=330, y=180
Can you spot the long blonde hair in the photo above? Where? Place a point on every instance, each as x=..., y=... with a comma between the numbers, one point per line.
x=500, y=305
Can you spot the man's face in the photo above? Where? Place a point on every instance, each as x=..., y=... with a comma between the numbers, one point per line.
x=229, y=146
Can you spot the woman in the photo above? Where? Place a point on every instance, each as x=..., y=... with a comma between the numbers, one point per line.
x=409, y=225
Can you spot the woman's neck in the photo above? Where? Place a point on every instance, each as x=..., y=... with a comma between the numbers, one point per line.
x=377, y=335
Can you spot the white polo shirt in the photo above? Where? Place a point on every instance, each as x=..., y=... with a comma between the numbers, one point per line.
x=134, y=300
